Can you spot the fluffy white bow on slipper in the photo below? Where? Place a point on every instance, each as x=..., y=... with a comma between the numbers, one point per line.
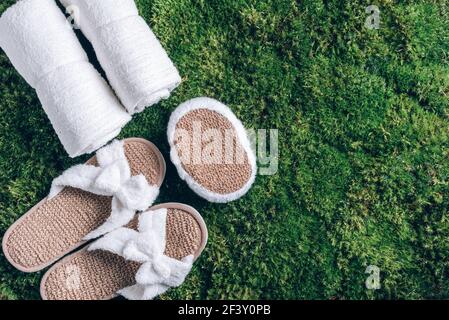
x=111, y=178
x=158, y=272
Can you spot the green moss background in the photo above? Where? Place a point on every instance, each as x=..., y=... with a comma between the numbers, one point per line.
x=363, y=120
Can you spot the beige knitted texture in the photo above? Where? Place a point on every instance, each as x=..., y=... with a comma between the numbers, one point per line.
x=98, y=275
x=222, y=178
x=58, y=225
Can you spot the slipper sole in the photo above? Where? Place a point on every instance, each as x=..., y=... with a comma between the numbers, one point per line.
x=98, y=275
x=211, y=150
x=53, y=228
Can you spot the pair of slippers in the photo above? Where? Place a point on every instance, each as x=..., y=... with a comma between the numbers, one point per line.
x=138, y=252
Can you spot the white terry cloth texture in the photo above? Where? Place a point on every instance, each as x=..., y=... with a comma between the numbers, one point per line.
x=136, y=65
x=44, y=49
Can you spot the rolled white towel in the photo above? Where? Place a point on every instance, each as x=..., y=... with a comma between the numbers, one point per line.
x=44, y=49
x=136, y=64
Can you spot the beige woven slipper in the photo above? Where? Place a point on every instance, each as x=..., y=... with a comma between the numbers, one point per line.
x=211, y=150
x=154, y=253
x=122, y=178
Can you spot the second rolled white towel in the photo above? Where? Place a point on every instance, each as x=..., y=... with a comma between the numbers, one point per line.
x=136, y=64
x=44, y=49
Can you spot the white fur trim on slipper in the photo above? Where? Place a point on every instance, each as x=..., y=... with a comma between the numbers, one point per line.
x=214, y=174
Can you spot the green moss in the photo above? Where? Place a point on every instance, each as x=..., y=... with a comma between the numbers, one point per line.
x=363, y=123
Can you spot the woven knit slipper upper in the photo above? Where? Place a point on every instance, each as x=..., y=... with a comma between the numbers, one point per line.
x=85, y=202
x=211, y=150
x=141, y=261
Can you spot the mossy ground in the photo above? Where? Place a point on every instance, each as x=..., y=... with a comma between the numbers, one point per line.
x=363, y=120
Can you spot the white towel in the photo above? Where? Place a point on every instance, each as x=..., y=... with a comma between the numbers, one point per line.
x=44, y=49
x=137, y=66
